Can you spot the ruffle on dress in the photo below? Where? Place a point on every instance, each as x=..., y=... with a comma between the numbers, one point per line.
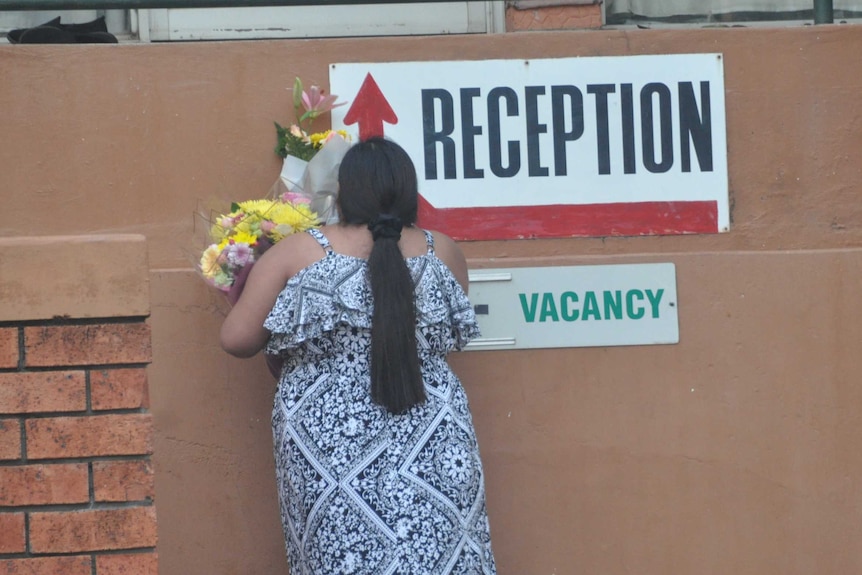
x=334, y=291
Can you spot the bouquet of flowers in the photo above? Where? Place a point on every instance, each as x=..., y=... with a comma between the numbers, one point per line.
x=295, y=140
x=241, y=236
x=311, y=159
x=303, y=197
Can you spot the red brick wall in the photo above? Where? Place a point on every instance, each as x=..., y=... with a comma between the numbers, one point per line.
x=76, y=437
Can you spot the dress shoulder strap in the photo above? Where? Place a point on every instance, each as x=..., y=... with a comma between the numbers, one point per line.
x=321, y=239
x=429, y=239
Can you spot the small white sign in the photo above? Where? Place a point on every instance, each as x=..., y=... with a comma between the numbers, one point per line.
x=575, y=306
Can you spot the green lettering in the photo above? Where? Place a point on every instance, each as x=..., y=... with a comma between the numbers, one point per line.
x=549, y=308
x=613, y=304
x=591, y=306
x=529, y=311
x=631, y=311
x=564, y=305
x=654, y=300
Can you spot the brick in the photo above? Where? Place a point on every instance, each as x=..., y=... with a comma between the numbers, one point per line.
x=89, y=436
x=101, y=344
x=554, y=18
x=47, y=566
x=12, y=533
x=128, y=564
x=34, y=392
x=123, y=480
x=44, y=484
x=92, y=530
x=10, y=439
x=119, y=389
x=9, y=347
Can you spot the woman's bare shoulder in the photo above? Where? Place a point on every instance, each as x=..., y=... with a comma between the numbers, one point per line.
x=450, y=253
x=294, y=253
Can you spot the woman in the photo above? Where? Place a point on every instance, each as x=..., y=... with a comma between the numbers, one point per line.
x=377, y=464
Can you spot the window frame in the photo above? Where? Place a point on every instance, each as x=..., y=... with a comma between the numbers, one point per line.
x=243, y=23
x=664, y=23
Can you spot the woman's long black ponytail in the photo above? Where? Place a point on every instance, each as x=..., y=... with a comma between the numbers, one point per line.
x=378, y=189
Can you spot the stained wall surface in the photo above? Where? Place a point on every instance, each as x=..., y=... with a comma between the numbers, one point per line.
x=734, y=451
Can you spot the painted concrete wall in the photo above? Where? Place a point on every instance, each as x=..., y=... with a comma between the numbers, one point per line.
x=735, y=451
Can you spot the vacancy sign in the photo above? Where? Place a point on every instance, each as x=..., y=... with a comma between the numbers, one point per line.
x=575, y=306
x=564, y=147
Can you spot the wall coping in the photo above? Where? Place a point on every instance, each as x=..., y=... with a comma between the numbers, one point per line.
x=71, y=277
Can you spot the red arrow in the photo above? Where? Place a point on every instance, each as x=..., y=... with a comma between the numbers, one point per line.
x=370, y=109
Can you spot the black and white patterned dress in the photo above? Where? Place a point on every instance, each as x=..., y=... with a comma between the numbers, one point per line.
x=363, y=491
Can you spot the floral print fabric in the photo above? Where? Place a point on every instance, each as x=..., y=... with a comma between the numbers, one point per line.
x=363, y=491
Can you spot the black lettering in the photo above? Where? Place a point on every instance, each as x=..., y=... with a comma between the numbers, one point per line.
x=561, y=135
x=628, y=112
x=431, y=137
x=695, y=127
x=469, y=131
x=495, y=140
x=665, y=129
x=603, y=143
x=534, y=128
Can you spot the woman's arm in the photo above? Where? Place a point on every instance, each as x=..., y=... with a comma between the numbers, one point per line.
x=242, y=333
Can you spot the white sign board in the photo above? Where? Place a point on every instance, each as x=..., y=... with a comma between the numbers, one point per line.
x=575, y=306
x=590, y=146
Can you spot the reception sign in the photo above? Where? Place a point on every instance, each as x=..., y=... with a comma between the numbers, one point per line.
x=552, y=147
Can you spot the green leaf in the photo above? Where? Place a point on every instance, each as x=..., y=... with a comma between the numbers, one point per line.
x=280, y=137
x=297, y=93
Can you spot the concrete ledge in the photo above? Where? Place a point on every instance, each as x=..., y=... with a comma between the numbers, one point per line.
x=93, y=276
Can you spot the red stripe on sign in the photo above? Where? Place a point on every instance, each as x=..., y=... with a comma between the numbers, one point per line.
x=564, y=220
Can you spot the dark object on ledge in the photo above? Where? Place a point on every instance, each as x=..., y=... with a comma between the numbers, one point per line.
x=54, y=32
x=14, y=36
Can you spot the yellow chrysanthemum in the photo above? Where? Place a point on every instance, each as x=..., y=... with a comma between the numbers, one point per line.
x=298, y=216
x=238, y=238
x=244, y=238
x=209, y=261
x=318, y=139
x=256, y=207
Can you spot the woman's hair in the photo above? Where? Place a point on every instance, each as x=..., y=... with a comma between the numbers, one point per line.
x=377, y=188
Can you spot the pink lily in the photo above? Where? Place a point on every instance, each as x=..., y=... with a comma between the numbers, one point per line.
x=314, y=101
